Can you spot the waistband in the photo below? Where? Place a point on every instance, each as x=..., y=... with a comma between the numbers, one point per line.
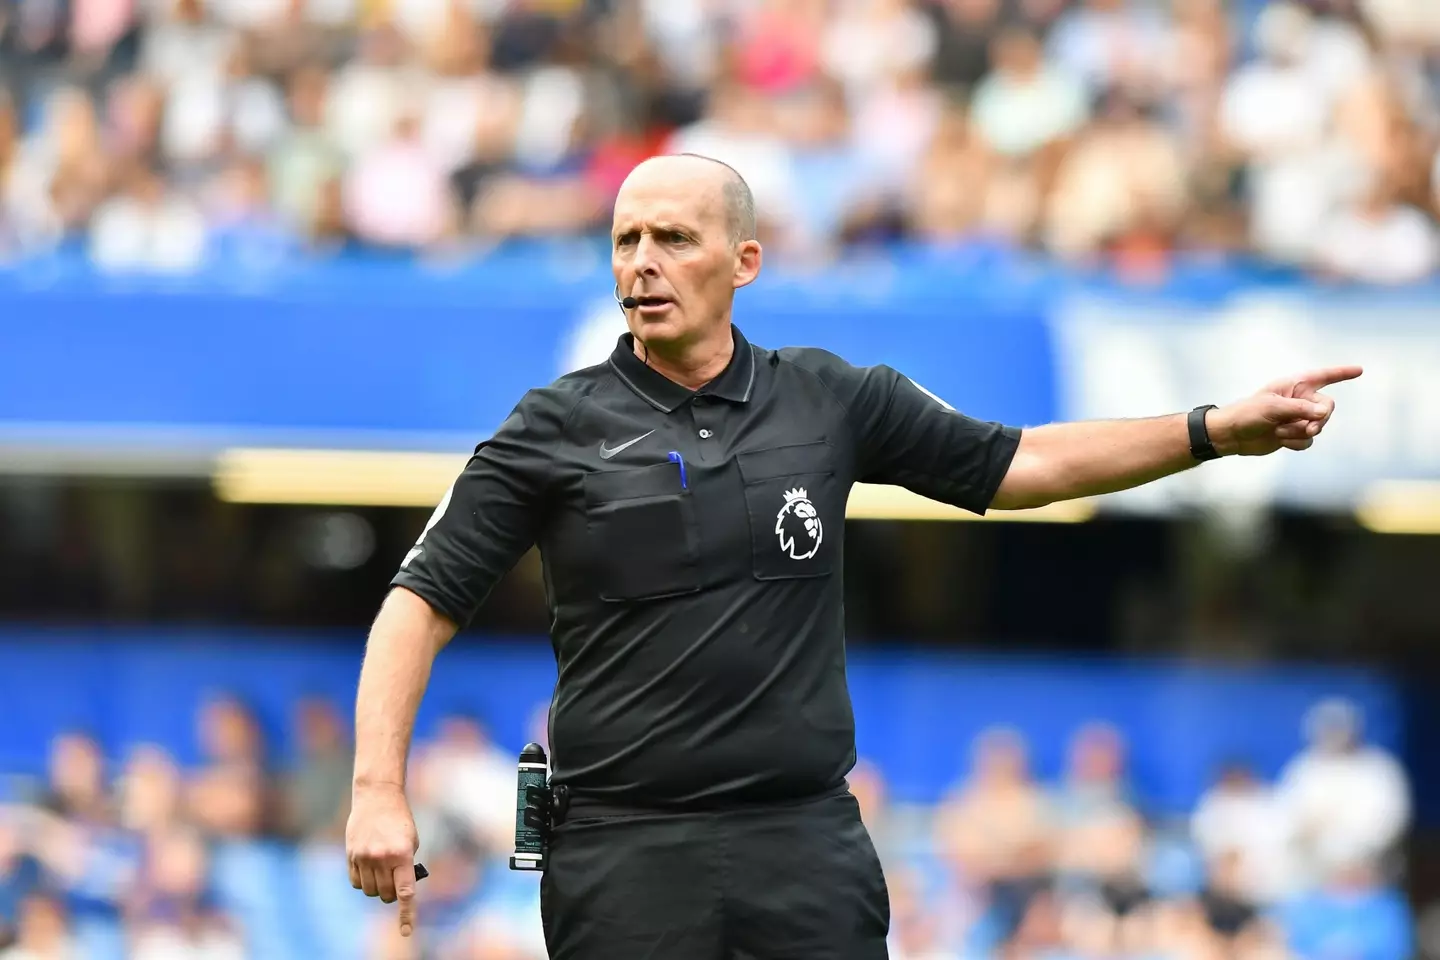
x=567, y=804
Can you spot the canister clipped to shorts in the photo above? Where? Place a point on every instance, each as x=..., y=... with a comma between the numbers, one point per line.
x=533, y=806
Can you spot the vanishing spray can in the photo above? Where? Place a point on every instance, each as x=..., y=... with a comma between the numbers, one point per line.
x=532, y=809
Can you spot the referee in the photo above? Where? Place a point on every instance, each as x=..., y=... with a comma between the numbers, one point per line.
x=688, y=497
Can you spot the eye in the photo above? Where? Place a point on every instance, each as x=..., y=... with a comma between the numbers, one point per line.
x=625, y=240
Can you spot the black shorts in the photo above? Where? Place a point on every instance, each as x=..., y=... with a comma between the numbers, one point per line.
x=797, y=882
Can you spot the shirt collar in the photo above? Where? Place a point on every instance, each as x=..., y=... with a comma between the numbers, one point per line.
x=736, y=382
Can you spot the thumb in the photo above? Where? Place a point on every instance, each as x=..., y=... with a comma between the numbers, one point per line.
x=405, y=894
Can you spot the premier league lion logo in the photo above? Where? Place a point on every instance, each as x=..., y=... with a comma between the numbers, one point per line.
x=798, y=525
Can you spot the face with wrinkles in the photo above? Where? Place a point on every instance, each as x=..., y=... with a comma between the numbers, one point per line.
x=675, y=249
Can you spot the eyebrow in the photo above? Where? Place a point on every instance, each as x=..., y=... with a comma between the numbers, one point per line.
x=663, y=227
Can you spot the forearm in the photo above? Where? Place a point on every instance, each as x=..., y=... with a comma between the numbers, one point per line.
x=404, y=640
x=1068, y=461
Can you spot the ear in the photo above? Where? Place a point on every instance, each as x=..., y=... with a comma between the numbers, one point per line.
x=748, y=257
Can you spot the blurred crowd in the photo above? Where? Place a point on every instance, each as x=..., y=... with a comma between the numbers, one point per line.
x=157, y=134
x=236, y=859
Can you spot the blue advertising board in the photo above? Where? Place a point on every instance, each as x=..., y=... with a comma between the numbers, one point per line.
x=398, y=356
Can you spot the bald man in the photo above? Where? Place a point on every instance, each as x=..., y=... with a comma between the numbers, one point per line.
x=688, y=499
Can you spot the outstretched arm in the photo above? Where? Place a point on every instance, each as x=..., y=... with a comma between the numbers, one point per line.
x=1066, y=461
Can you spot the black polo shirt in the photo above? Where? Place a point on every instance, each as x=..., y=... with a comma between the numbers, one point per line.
x=692, y=549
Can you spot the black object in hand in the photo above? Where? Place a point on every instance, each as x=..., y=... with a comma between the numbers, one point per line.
x=420, y=872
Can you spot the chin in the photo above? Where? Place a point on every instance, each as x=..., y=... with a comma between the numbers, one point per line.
x=663, y=330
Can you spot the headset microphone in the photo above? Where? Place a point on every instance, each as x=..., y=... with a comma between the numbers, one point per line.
x=628, y=303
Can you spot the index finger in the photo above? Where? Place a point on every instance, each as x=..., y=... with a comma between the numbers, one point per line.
x=405, y=893
x=1316, y=379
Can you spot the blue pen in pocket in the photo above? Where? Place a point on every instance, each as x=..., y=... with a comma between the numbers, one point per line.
x=676, y=458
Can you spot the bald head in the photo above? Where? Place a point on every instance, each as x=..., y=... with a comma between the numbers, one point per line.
x=686, y=171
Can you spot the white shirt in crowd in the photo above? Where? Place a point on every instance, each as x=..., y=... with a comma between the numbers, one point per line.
x=1345, y=807
x=1396, y=246
x=168, y=236
x=478, y=787
x=168, y=943
x=1250, y=820
x=1017, y=117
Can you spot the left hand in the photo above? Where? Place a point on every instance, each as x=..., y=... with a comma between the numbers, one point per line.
x=1287, y=413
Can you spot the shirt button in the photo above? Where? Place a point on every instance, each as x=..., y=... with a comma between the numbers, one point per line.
x=706, y=434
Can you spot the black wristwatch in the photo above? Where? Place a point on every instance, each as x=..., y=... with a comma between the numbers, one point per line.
x=1200, y=446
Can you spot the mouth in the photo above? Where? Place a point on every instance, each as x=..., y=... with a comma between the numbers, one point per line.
x=652, y=304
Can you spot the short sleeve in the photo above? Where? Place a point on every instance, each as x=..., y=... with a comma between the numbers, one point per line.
x=907, y=436
x=488, y=518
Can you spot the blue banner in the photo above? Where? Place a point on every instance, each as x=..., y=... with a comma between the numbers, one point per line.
x=403, y=356
x=917, y=713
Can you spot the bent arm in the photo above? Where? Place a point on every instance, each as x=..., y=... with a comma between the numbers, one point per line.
x=404, y=640
x=1067, y=461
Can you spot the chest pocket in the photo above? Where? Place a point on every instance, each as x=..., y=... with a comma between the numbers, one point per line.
x=644, y=539
x=797, y=514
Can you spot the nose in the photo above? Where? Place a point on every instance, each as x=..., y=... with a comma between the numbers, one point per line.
x=646, y=261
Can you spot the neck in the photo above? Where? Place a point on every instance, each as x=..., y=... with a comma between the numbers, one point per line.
x=694, y=364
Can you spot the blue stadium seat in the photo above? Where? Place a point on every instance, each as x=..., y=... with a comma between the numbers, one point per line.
x=250, y=880
x=337, y=915
x=99, y=939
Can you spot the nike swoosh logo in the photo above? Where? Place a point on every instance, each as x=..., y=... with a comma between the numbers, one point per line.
x=607, y=452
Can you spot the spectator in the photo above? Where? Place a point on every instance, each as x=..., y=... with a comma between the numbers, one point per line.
x=1349, y=803
x=150, y=791
x=171, y=911
x=952, y=200
x=1241, y=817
x=1125, y=175
x=778, y=46
x=964, y=29
x=304, y=158
x=1276, y=119
x=464, y=94
x=243, y=226
x=319, y=789
x=60, y=173
x=476, y=781
x=183, y=44
x=147, y=228
x=395, y=194
x=1094, y=784
x=995, y=831
x=739, y=128
x=77, y=781
x=370, y=93
x=1379, y=240
x=228, y=796
x=41, y=932
x=532, y=111
x=1101, y=837
x=893, y=124
x=872, y=41
x=1025, y=104
x=214, y=113
x=1110, y=43
x=835, y=188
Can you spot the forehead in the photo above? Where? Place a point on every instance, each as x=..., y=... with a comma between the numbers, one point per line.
x=677, y=197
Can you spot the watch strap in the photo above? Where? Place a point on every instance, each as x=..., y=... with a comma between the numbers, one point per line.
x=1200, y=446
